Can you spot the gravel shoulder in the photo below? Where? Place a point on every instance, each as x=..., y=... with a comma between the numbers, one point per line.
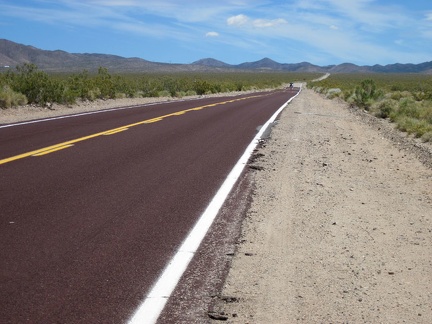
x=340, y=226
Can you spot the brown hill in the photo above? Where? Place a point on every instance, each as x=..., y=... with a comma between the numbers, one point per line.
x=12, y=54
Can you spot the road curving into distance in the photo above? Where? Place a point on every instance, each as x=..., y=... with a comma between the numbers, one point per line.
x=93, y=207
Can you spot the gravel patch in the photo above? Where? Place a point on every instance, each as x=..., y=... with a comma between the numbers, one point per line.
x=339, y=228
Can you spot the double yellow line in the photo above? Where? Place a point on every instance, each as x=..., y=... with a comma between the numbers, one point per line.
x=64, y=145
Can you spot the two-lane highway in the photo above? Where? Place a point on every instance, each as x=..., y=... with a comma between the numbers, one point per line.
x=93, y=207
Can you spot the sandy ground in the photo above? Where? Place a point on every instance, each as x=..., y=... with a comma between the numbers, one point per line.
x=340, y=226
x=339, y=230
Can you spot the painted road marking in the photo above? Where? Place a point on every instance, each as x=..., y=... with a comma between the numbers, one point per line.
x=54, y=148
x=148, y=312
x=51, y=148
x=115, y=131
x=179, y=113
x=154, y=120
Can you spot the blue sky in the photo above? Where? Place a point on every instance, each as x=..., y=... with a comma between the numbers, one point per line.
x=322, y=32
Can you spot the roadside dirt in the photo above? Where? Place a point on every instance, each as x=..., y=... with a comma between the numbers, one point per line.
x=340, y=226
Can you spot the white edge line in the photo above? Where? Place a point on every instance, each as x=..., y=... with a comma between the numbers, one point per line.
x=152, y=306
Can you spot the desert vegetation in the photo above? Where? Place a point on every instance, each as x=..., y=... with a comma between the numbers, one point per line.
x=405, y=99
x=28, y=84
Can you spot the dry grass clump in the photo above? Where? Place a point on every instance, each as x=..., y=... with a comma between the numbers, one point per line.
x=10, y=98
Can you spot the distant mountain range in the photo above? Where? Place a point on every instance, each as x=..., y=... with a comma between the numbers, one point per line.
x=12, y=54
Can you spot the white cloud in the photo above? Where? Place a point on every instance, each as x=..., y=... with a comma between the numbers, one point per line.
x=212, y=34
x=333, y=27
x=263, y=23
x=237, y=20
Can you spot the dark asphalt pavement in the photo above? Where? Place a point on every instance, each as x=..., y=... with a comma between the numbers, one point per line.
x=86, y=230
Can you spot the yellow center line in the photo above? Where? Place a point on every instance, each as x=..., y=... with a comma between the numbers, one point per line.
x=52, y=150
x=115, y=131
x=149, y=121
x=60, y=146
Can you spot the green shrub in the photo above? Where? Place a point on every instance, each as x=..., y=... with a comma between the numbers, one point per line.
x=180, y=94
x=191, y=93
x=164, y=93
x=413, y=126
x=93, y=94
x=35, y=85
x=398, y=95
x=408, y=107
x=427, y=137
x=69, y=96
x=202, y=87
x=105, y=83
x=80, y=85
x=365, y=94
x=333, y=93
x=384, y=108
x=420, y=96
x=318, y=89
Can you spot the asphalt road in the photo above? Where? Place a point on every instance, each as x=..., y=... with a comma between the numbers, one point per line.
x=93, y=207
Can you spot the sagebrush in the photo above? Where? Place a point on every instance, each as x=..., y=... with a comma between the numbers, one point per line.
x=405, y=99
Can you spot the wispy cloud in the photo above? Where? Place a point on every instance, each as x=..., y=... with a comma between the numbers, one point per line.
x=78, y=14
x=356, y=30
x=212, y=34
x=241, y=20
x=264, y=23
x=330, y=30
